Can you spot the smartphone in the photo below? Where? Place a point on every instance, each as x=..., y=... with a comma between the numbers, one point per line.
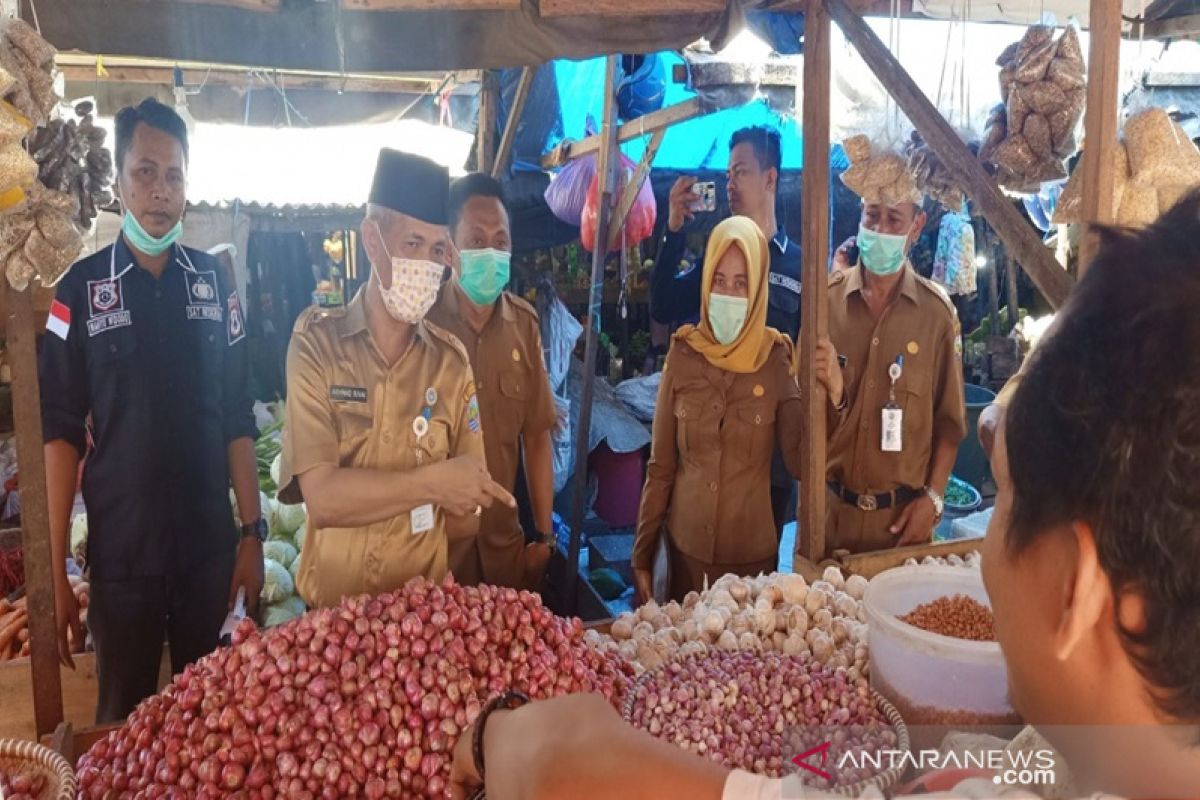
x=706, y=194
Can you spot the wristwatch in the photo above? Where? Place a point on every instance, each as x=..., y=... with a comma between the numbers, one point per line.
x=548, y=539
x=939, y=505
x=258, y=529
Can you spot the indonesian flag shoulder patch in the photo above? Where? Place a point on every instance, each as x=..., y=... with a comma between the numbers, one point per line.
x=59, y=321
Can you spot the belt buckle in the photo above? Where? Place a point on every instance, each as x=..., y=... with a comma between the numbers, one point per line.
x=867, y=502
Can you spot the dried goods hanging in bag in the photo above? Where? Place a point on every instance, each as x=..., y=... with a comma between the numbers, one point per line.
x=1041, y=83
x=1070, y=203
x=1160, y=154
x=931, y=175
x=878, y=175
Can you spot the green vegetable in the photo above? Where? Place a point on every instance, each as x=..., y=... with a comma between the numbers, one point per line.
x=280, y=551
x=290, y=518
x=299, y=537
x=959, y=493
x=286, y=610
x=274, y=468
x=277, y=583
x=294, y=571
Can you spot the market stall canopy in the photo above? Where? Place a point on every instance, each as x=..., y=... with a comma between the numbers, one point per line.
x=342, y=36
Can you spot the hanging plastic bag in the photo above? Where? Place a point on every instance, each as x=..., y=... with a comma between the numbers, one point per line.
x=568, y=191
x=639, y=225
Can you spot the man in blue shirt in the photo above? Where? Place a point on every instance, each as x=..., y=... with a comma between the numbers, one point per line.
x=753, y=180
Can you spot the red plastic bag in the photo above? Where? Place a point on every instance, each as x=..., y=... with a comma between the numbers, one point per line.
x=639, y=224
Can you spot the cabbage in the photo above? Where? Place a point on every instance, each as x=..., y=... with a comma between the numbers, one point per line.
x=79, y=537
x=280, y=551
x=286, y=610
x=290, y=518
x=300, y=536
x=277, y=583
x=275, y=468
x=294, y=571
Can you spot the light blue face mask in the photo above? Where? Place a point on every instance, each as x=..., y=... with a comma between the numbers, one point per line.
x=726, y=316
x=484, y=274
x=143, y=242
x=881, y=253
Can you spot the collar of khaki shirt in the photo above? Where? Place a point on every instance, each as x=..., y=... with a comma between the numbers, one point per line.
x=908, y=282
x=452, y=299
x=353, y=320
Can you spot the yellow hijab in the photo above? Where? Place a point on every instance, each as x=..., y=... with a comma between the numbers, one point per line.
x=750, y=350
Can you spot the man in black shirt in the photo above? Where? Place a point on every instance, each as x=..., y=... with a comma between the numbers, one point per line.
x=145, y=355
x=753, y=180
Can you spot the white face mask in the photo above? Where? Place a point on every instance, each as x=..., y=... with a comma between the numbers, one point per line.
x=414, y=288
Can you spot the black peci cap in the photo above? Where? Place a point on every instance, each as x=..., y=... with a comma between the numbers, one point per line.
x=412, y=185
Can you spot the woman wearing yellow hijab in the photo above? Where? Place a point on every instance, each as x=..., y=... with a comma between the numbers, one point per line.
x=727, y=393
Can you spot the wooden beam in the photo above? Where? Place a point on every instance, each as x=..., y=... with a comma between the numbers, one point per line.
x=513, y=123
x=706, y=73
x=236, y=77
x=1017, y=234
x=431, y=5
x=1100, y=123
x=814, y=317
x=663, y=118
x=485, y=129
x=1186, y=26
x=245, y=5
x=628, y=8
x=1167, y=79
x=606, y=162
x=35, y=514
x=871, y=564
x=629, y=192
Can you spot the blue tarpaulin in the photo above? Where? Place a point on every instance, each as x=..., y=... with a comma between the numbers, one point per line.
x=566, y=93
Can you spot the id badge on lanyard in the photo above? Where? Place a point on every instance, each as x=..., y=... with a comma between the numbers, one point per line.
x=422, y=518
x=893, y=415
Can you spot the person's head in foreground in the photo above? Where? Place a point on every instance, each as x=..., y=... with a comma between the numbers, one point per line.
x=482, y=235
x=405, y=233
x=1092, y=558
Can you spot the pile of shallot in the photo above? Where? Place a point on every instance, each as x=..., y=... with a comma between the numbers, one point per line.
x=772, y=613
x=367, y=698
x=750, y=710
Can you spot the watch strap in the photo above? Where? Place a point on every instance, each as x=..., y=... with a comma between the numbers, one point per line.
x=939, y=504
x=257, y=529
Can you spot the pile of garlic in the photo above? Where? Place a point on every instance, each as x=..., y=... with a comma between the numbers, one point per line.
x=971, y=560
x=777, y=612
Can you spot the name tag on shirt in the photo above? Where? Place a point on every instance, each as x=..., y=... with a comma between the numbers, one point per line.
x=348, y=394
x=893, y=425
x=422, y=519
x=786, y=281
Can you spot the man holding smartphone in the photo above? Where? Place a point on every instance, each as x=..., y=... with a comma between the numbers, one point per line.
x=753, y=181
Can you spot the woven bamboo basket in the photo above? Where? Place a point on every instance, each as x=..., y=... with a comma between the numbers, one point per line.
x=18, y=756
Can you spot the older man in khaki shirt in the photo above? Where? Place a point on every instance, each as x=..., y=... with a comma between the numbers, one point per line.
x=383, y=438
x=899, y=337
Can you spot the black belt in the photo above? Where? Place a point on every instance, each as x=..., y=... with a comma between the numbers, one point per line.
x=875, y=502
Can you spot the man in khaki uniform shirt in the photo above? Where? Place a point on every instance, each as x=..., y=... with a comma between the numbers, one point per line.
x=885, y=321
x=383, y=438
x=502, y=339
